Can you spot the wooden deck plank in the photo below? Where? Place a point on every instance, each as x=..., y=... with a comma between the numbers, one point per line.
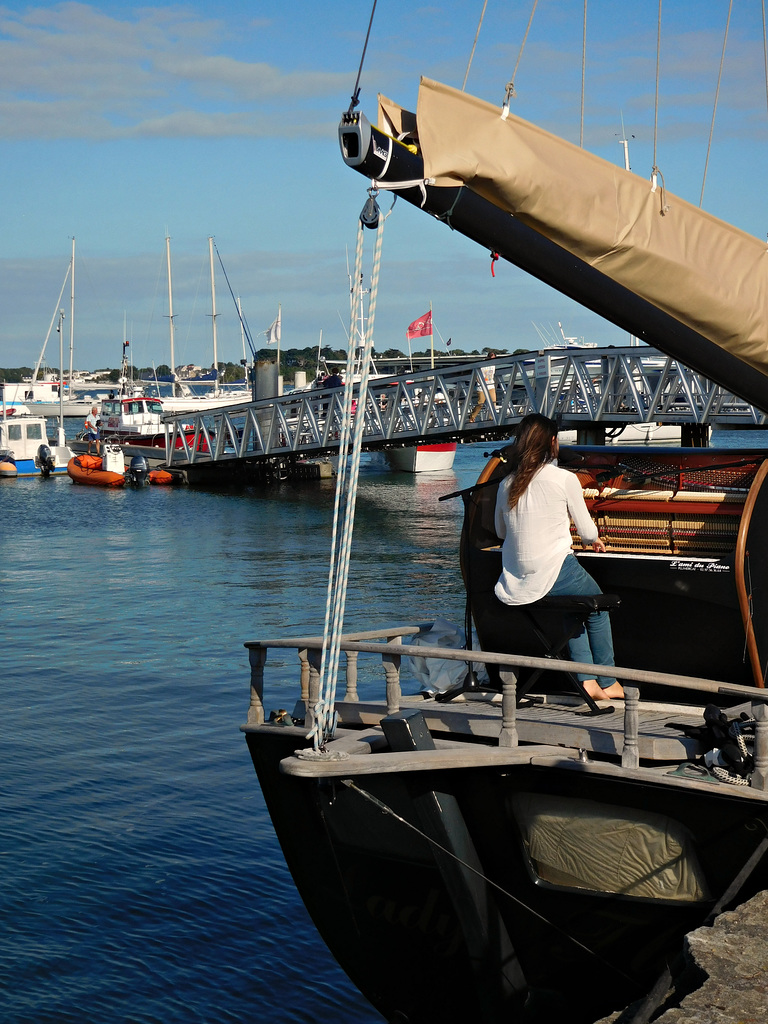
x=548, y=724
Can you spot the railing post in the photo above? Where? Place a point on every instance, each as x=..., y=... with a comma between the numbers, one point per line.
x=630, y=754
x=392, y=674
x=760, y=772
x=257, y=656
x=351, y=691
x=508, y=735
x=314, y=659
x=304, y=660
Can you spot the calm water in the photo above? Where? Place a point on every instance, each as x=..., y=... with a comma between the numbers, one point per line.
x=140, y=879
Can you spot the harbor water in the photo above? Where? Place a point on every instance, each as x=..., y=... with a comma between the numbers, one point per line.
x=140, y=878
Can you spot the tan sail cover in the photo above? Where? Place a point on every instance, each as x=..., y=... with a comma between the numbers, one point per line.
x=704, y=272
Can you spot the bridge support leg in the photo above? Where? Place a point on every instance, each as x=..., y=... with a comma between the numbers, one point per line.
x=694, y=435
x=593, y=433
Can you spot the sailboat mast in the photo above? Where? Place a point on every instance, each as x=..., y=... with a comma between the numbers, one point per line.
x=170, y=313
x=50, y=326
x=213, y=319
x=71, y=324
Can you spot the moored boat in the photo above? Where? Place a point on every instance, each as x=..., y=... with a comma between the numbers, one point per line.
x=28, y=451
x=106, y=470
x=423, y=458
x=109, y=469
x=514, y=851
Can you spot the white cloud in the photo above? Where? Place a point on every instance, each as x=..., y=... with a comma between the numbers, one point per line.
x=72, y=71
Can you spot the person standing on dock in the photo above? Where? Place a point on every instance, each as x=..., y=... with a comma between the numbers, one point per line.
x=92, y=431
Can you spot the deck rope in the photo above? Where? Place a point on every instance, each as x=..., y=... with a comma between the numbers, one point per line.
x=325, y=716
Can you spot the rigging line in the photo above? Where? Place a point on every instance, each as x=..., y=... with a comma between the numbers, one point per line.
x=765, y=55
x=583, y=74
x=472, y=53
x=355, y=98
x=243, y=322
x=656, y=97
x=714, y=108
x=489, y=881
x=510, y=92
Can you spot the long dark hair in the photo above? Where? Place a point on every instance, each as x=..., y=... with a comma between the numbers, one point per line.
x=532, y=449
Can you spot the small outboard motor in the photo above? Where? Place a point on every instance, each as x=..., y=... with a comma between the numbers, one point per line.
x=45, y=460
x=138, y=471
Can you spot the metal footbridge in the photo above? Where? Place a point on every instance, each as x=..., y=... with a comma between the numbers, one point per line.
x=608, y=388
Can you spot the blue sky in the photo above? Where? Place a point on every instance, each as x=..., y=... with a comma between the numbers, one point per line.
x=121, y=124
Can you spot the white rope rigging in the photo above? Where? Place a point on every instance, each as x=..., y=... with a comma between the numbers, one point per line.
x=656, y=96
x=510, y=91
x=348, y=471
x=714, y=107
x=583, y=74
x=474, y=45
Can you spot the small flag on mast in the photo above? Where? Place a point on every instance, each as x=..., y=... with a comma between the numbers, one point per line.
x=420, y=328
x=273, y=332
x=448, y=343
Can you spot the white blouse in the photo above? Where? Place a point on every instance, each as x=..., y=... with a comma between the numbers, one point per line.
x=536, y=532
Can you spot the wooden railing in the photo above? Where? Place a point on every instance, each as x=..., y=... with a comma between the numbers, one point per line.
x=388, y=644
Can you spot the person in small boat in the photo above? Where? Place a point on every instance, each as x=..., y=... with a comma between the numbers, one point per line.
x=333, y=380
x=92, y=432
x=534, y=506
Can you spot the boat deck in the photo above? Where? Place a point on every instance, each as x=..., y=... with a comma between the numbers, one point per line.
x=637, y=737
x=556, y=721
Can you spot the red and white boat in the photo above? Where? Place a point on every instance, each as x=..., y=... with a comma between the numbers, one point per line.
x=423, y=458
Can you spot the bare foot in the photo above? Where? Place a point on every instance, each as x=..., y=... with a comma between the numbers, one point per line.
x=613, y=692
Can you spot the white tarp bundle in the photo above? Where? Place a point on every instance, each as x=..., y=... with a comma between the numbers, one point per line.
x=705, y=273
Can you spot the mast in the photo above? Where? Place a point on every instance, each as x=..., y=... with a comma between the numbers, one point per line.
x=56, y=312
x=213, y=320
x=170, y=313
x=60, y=329
x=71, y=324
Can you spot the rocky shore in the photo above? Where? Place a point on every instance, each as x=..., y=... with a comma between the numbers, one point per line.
x=725, y=979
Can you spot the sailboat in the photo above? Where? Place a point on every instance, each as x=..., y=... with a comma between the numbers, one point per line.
x=182, y=399
x=515, y=851
x=52, y=395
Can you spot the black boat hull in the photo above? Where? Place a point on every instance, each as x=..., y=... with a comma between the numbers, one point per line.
x=382, y=897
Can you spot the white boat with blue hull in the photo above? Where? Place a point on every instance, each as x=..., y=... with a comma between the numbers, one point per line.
x=25, y=449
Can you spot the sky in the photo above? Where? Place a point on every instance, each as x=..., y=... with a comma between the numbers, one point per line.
x=121, y=125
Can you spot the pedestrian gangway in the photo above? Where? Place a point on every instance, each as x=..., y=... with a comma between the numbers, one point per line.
x=611, y=387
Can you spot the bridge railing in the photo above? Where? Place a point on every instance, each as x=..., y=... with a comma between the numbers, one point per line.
x=582, y=386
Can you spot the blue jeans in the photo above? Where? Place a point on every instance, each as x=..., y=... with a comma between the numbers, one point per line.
x=595, y=643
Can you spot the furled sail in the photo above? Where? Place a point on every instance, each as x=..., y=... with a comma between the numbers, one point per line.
x=654, y=264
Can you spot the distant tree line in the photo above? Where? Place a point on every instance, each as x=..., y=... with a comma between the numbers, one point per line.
x=291, y=360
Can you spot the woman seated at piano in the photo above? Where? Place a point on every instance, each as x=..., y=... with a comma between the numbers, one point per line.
x=534, y=506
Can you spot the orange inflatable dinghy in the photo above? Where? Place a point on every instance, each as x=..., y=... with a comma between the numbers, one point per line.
x=161, y=476
x=87, y=469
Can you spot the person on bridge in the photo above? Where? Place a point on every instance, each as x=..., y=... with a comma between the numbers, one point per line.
x=489, y=376
x=534, y=506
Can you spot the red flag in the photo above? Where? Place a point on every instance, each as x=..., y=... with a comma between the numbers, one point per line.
x=421, y=327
